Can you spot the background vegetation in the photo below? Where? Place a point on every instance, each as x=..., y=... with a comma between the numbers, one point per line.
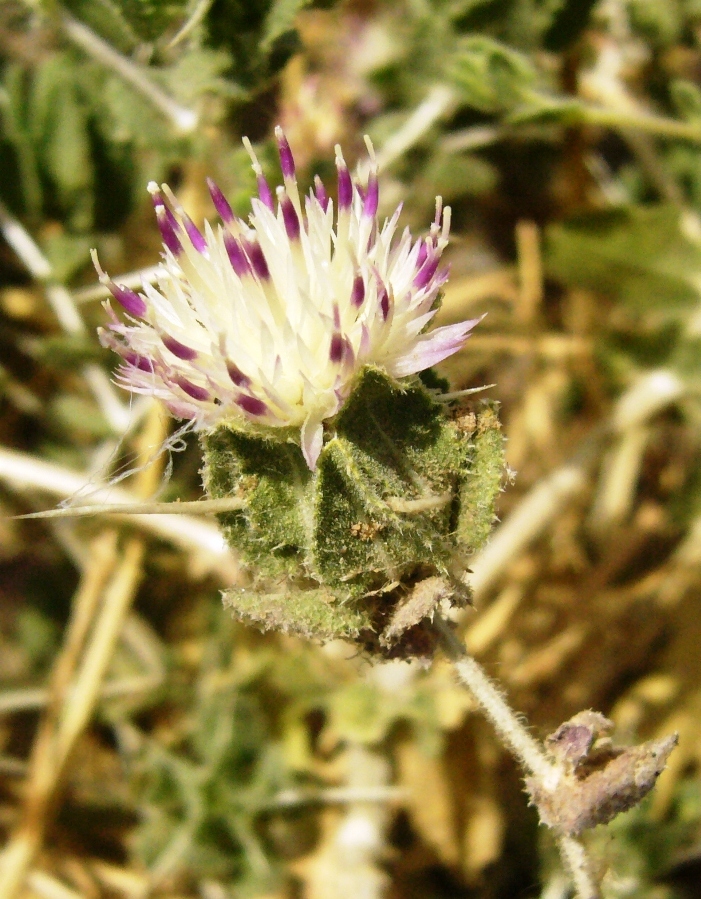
x=149, y=746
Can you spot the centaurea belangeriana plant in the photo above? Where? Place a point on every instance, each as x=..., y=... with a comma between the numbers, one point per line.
x=297, y=345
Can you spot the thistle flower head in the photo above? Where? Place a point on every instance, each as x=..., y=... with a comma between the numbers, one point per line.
x=268, y=321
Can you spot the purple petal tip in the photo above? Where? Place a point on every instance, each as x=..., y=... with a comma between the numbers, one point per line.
x=131, y=302
x=289, y=217
x=179, y=349
x=143, y=363
x=252, y=405
x=384, y=302
x=426, y=272
x=320, y=193
x=287, y=163
x=237, y=376
x=372, y=196
x=237, y=257
x=168, y=230
x=264, y=192
x=345, y=185
x=336, y=349
x=192, y=390
x=193, y=232
x=358, y=291
x=220, y=202
x=257, y=260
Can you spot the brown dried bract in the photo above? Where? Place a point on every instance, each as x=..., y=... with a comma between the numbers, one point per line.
x=419, y=604
x=572, y=741
x=599, y=780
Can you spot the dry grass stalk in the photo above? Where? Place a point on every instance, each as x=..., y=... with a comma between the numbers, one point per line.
x=108, y=587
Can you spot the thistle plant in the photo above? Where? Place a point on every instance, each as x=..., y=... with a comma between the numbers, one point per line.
x=297, y=345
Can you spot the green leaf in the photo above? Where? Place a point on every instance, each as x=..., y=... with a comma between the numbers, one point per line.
x=686, y=97
x=568, y=22
x=58, y=124
x=490, y=76
x=313, y=614
x=68, y=351
x=454, y=175
x=481, y=482
x=639, y=255
x=151, y=18
x=17, y=132
x=199, y=72
x=126, y=23
x=67, y=254
x=279, y=20
x=392, y=445
x=79, y=416
x=661, y=24
x=272, y=530
x=362, y=713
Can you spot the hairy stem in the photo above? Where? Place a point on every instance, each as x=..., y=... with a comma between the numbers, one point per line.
x=507, y=724
x=515, y=736
x=578, y=863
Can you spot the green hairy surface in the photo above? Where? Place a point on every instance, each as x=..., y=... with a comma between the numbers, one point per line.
x=404, y=491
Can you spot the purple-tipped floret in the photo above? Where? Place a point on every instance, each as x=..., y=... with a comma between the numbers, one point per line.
x=168, y=231
x=257, y=259
x=179, y=349
x=426, y=272
x=372, y=197
x=220, y=202
x=143, y=363
x=131, y=302
x=193, y=232
x=320, y=193
x=358, y=291
x=287, y=163
x=237, y=376
x=237, y=257
x=251, y=404
x=162, y=209
x=264, y=192
x=193, y=390
x=345, y=185
x=289, y=217
x=336, y=349
x=384, y=303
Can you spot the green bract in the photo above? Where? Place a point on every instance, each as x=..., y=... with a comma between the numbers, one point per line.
x=369, y=543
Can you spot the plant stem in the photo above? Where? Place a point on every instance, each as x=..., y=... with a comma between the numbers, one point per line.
x=507, y=724
x=202, y=540
x=529, y=752
x=650, y=124
x=440, y=101
x=183, y=120
x=576, y=860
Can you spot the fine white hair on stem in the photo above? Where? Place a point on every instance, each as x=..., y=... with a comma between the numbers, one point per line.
x=22, y=472
x=514, y=734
